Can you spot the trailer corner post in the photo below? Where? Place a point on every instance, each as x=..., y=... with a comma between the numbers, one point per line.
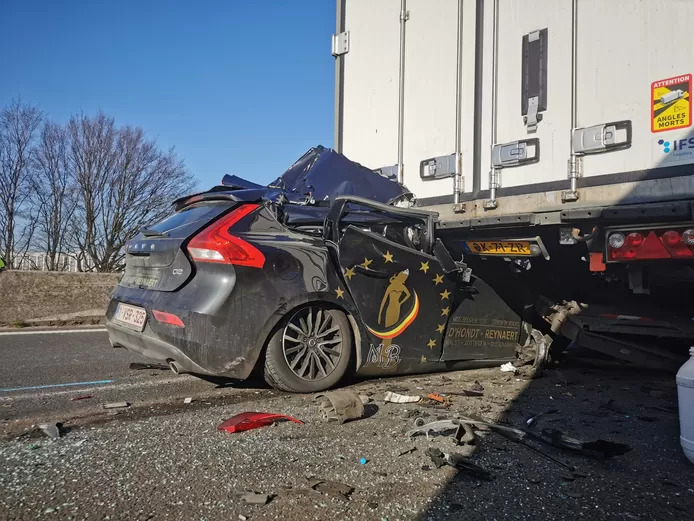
x=574, y=165
x=491, y=204
x=458, y=187
x=404, y=16
x=339, y=79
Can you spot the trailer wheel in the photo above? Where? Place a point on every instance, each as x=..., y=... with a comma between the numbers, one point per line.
x=310, y=351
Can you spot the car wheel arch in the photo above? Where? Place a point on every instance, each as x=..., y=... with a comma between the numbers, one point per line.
x=291, y=307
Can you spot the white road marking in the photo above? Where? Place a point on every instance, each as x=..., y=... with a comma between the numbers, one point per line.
x=101, y=388
x=53, y=332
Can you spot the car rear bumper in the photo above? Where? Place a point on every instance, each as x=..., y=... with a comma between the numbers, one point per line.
x=146, y=344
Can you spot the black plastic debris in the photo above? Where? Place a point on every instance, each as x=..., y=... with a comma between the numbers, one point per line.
x=602, y=449
x=458, y=461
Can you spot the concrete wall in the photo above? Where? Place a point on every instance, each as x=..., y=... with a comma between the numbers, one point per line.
x=26, y=295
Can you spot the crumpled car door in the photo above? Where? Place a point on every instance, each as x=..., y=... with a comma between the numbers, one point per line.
x=401, y=291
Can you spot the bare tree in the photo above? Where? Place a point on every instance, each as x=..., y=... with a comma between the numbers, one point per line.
x=18, y=124
x=124, y=182
x=54, y=192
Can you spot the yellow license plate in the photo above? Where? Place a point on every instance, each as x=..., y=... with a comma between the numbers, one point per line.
x=499, y=247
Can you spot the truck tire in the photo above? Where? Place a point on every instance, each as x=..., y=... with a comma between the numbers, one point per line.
x=310, y=351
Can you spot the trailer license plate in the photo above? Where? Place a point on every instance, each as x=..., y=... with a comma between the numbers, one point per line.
x=511, y=248
x=131, y=316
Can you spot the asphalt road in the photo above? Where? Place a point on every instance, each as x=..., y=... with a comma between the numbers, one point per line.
x=162, y=459
x=41, y=374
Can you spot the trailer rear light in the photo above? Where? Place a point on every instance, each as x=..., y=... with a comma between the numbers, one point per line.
x=167, y=318
x=634, y=240
x=216, y=244
x=671, y=238
x=616, y=240
x=650, y=245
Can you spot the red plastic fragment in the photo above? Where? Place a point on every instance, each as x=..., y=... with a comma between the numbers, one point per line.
x=253, y=420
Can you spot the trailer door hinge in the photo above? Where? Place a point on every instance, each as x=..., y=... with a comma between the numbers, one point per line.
x=340, y=43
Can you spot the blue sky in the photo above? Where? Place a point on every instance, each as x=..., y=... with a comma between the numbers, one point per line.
x=237, y=86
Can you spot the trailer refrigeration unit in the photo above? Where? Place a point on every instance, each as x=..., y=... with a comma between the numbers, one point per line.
x=554, y=138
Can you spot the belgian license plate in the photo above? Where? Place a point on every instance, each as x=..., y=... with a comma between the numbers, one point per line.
x=499, y=247
x=131, y=316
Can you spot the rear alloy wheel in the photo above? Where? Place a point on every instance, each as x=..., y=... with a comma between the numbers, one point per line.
x=310, y=352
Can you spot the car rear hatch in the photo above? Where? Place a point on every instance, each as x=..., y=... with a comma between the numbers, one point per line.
x=155, y=258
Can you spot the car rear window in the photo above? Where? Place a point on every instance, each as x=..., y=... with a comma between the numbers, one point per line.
x=195, y=213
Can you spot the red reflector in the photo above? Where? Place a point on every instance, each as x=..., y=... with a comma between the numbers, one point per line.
x=216, y=244
x=596, y=262
x=167, y=318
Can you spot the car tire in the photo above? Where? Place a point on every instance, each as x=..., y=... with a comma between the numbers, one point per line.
x=297, y=334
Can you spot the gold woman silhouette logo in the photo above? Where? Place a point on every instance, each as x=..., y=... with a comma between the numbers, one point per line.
x=395, y=296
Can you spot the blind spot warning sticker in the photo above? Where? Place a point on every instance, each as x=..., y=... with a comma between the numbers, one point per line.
x=671, y=103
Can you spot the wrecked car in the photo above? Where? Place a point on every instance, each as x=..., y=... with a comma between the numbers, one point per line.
x=328, y=271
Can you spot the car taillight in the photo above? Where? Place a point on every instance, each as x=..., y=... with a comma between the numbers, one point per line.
x=650, y=245
x=167, y=318
x=216, y=244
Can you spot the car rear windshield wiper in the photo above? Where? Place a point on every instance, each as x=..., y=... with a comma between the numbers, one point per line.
x=153, y=233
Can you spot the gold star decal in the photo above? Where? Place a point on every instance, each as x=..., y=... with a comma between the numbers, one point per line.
x=366, y=262
x=388, y=256
x=425, y=266
x=438, y=279
x=423, y=359
x=349, y=273
x=340, y=292
x=445, y=311
x=431, y=344
x=445, y=294
x=440, y=328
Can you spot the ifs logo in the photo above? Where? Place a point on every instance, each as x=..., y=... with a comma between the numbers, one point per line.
x=676, y=145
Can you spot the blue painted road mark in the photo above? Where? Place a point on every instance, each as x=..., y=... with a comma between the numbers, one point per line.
x=35, y=387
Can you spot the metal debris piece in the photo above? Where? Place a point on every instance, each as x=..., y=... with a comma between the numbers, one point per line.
x=253, y=498
x=421, y=427
x=400, y=398
x=140, y=366
x=246, y=421
x=409, y=450
x=52, y=430
x=340, y=406
x=188, y=400
x=116, y=405
x=465, y=435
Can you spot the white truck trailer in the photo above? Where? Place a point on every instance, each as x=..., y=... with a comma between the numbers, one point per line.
x=555, y=140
